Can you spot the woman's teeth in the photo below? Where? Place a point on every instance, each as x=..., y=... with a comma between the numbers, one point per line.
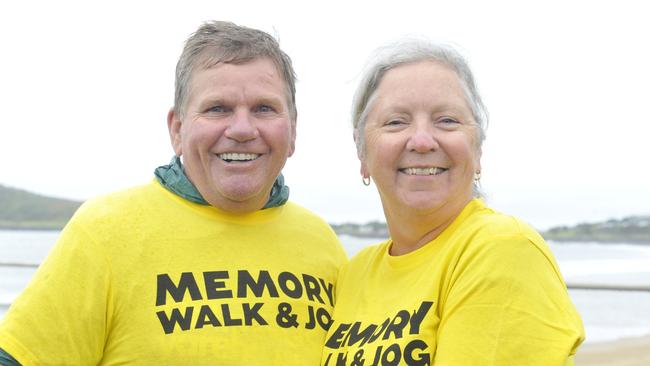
x=423, y=171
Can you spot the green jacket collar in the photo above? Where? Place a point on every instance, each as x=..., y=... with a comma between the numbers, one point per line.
x=173, y=178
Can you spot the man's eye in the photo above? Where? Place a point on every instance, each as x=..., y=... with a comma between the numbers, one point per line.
x=264, y=108
x=217, y=109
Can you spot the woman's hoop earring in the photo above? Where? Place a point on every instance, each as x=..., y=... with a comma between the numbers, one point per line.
x=366, y=181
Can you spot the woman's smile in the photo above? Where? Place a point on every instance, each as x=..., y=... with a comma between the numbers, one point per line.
x=423, y=171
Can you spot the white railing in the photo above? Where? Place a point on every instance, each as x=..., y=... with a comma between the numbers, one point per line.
x=18, y=264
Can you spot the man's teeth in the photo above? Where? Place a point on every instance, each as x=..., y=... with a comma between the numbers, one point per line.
x=238, y=156
x=423, y=171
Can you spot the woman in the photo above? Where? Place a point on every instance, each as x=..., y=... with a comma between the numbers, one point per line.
x=457, y=283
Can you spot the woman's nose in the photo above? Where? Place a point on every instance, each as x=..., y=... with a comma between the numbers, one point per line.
x=422, y=137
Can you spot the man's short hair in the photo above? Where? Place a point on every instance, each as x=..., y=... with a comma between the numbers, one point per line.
x=225, y=42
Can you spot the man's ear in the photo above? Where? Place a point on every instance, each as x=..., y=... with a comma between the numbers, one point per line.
x=292, y=147
x=174, y=128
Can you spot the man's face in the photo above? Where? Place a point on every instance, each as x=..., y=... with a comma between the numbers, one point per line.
x=236, y=133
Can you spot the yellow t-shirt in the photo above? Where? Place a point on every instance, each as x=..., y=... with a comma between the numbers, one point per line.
x=487, y=291
x=144, y=277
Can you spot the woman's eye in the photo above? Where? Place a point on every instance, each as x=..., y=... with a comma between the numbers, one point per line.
x=448, y=120
x=394, y=122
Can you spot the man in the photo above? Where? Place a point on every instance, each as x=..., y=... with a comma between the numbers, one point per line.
x=208, y=264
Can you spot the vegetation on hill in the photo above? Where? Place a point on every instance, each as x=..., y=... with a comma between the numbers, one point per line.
x=373, y=229
x=633, y=229
x=20, y=209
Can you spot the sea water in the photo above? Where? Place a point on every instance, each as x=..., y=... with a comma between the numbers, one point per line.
x=607, y=315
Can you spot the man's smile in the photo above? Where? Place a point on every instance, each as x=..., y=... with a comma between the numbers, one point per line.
x=230, y=157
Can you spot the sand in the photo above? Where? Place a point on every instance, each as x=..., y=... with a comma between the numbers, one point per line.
x=625, y=352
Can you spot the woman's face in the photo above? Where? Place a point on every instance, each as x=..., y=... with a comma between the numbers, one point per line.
x=421, y=147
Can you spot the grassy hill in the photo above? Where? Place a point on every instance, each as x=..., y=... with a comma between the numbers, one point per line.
x=633, y=229
x=373, y=229
x=20, y=209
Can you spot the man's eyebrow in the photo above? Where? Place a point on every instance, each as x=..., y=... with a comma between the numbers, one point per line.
x=269, y=99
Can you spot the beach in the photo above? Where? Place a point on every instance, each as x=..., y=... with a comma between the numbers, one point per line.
x=624, y=352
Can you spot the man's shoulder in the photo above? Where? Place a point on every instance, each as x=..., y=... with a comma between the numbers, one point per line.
x=296, y=211
x=121, y=202
x=307, y=218
x=303, y=220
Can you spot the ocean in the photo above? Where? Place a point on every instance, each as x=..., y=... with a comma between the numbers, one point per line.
x=607, y=314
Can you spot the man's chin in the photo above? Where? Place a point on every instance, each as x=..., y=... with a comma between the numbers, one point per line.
x=238, y=199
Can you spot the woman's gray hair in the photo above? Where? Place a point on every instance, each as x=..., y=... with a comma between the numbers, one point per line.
x=407, y=51
x=224, y=42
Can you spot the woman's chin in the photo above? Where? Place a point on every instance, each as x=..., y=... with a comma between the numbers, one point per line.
x=419, y=202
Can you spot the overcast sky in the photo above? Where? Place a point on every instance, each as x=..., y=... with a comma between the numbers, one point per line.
x=85, y=89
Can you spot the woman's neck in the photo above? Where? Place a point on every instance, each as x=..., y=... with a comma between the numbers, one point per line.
x=410, y=230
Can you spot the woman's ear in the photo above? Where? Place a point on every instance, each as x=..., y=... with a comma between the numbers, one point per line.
x=355, y=135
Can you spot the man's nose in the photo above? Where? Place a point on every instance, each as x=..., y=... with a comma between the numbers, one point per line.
x=242, y=127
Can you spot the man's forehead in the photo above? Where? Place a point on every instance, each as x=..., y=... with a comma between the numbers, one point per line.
x=216, y=85
x=264, y=73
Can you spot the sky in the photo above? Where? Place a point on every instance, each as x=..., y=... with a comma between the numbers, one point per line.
x=85, y=88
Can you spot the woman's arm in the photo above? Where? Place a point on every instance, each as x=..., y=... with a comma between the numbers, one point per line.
x=507, y=305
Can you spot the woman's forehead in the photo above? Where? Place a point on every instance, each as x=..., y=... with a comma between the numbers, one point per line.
x=426, y=82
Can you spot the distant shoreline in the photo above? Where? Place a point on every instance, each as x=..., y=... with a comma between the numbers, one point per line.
x=626, y=351
x=23, y=210
x=600, y=241
x=365, y=236
x=371, y=234
x=2, y=228
x=18, y=226
x=578, y=239
x=631, y=230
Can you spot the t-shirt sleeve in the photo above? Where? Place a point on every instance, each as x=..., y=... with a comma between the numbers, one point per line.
x=61, y=316
x=7, y=360
x=506, y=304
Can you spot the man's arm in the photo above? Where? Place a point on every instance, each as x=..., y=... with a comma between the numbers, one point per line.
x=7, y=360
x=61, y=316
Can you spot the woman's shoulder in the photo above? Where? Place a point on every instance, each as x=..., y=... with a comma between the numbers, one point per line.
x=363, y=262
x=488, y=222
x=371, y=251
x=491, y=235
